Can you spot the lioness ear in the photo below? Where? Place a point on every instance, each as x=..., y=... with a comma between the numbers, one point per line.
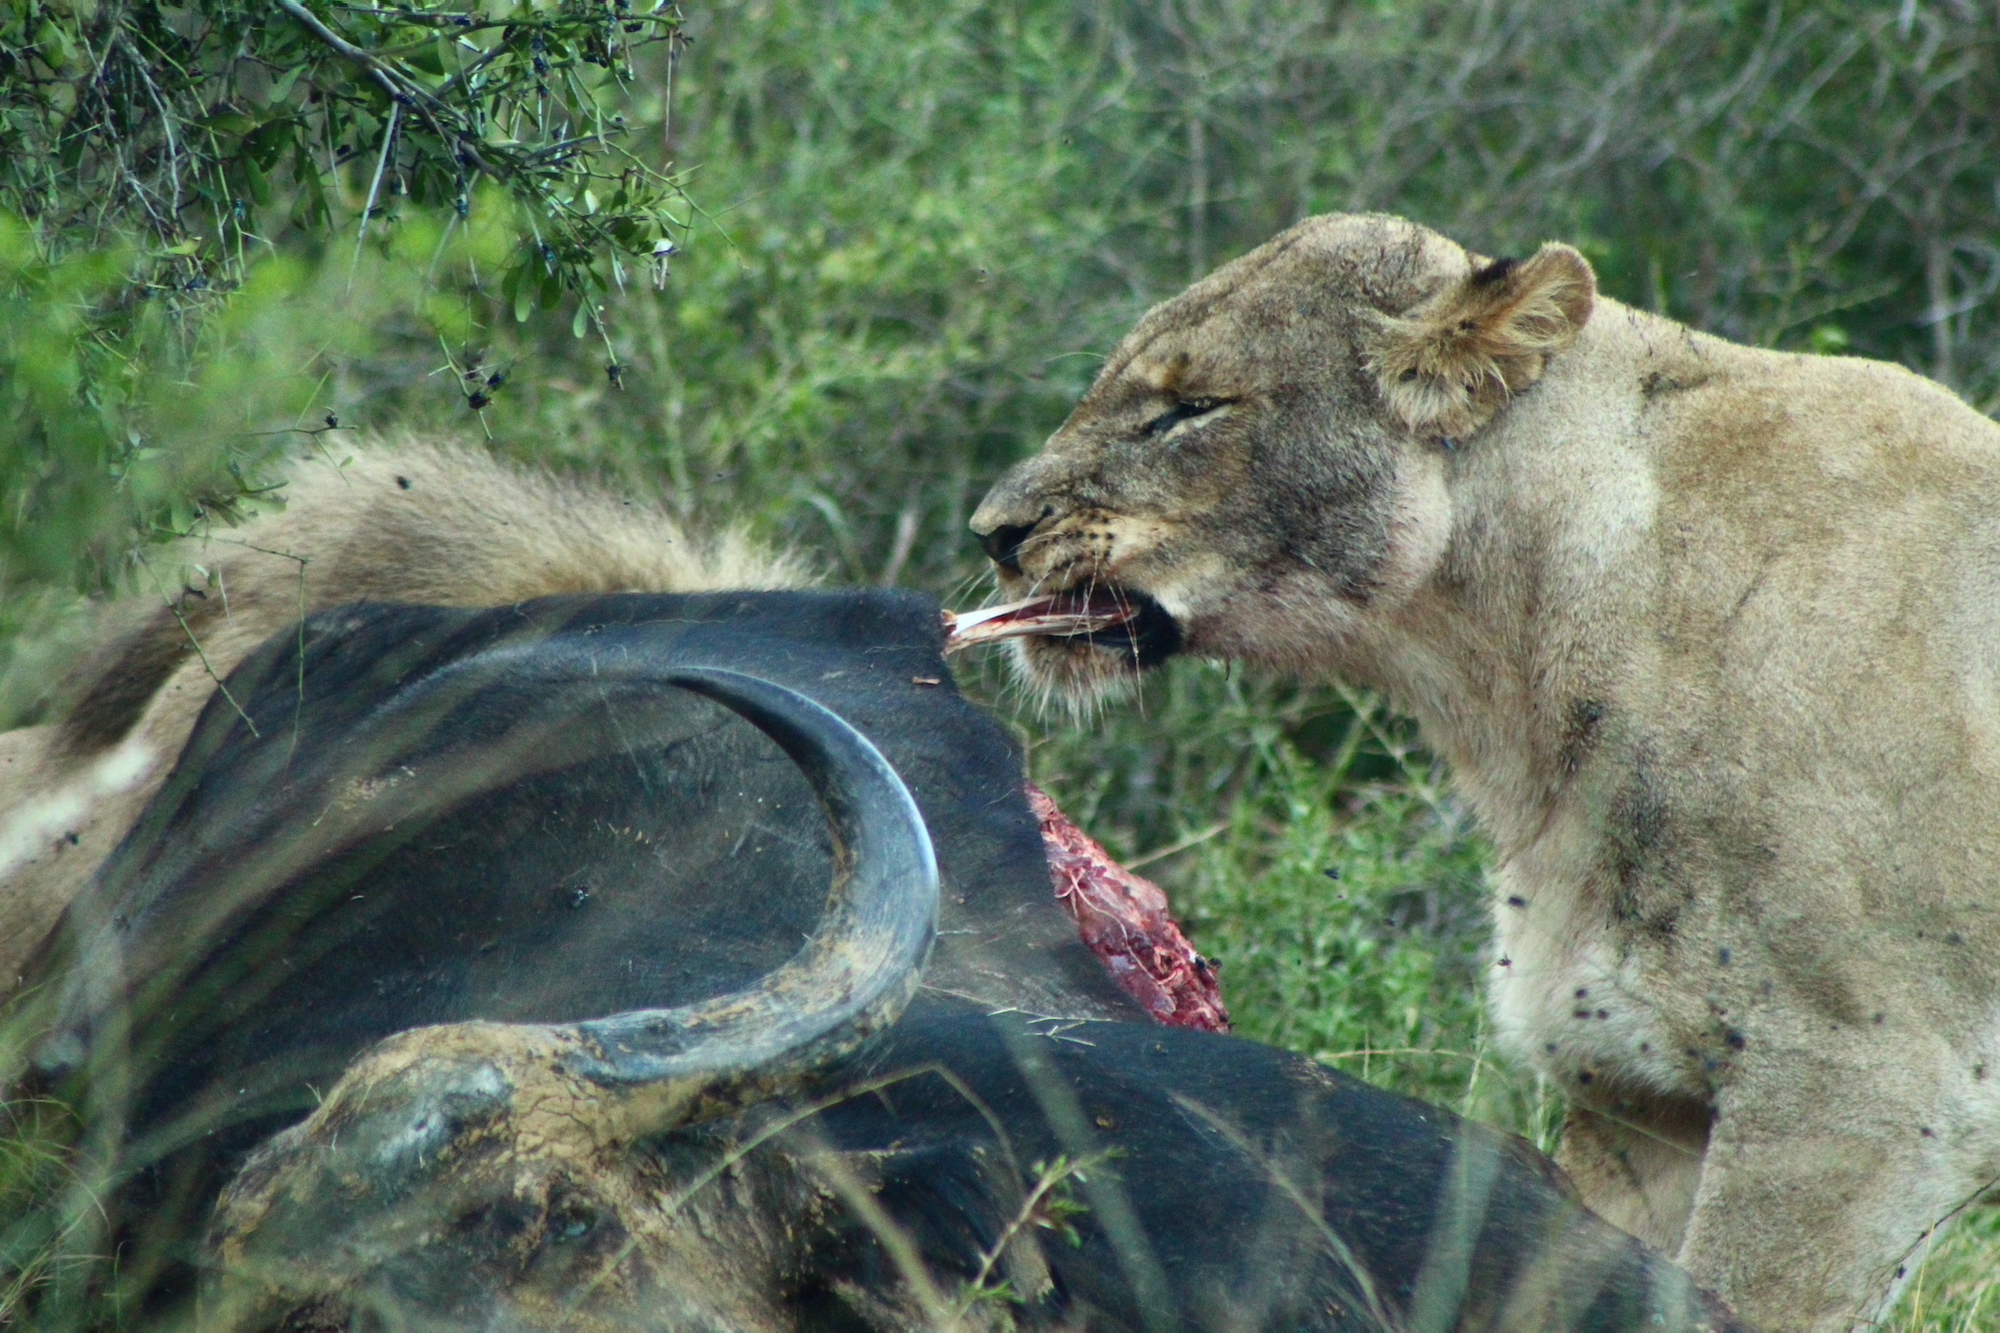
x=1448, y=365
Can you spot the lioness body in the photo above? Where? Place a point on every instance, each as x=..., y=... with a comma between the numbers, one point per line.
x=392, y=522
x=1710, y=636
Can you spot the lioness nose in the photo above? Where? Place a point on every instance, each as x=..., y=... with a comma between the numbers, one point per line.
x=1003, y=545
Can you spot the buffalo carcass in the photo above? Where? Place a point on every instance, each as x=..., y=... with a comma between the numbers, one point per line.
x=479, y=970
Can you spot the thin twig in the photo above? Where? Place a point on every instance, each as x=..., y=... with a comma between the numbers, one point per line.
x=1364, y=1281
x=896, y=1240
x=1175, y=848
x=402, y=90
x=374, y=187
x=790, y=1120
x=206, y=665
x=390, y=82
x=1048, y=1180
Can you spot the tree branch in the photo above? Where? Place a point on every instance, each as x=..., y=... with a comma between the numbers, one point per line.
x=401, y=89
x=391, y=82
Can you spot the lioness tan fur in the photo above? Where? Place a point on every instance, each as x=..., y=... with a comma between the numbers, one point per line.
x=1710, y=637
x=391, y=521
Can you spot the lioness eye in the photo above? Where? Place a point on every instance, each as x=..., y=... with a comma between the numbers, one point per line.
x=1186, y=409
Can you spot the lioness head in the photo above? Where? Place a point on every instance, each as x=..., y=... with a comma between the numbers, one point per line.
x=1261, y=465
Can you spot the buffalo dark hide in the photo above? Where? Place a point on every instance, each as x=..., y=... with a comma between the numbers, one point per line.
x=615, y=847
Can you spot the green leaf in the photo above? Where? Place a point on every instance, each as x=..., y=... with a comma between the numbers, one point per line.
x=270, y=140
x=253, y=176
x=281, y=87
x=226, y=122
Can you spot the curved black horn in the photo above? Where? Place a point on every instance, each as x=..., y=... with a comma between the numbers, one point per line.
x=859, y=967
x=853, y=975
x=435, y=1123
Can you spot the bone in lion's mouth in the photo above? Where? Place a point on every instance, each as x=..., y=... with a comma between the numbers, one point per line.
x=1057, y=615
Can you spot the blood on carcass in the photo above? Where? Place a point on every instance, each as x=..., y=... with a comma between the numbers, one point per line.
x=1125, y=922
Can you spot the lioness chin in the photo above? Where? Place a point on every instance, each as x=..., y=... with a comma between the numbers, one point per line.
x=1710, y=636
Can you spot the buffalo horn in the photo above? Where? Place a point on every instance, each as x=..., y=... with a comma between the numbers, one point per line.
x=430, y=1122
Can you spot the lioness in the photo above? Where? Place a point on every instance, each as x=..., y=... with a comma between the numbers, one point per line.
x=1710, y=636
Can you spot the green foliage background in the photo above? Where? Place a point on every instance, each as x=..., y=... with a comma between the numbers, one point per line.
x=916, y=226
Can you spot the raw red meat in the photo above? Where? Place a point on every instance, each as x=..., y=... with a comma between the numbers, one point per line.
x=1124, y=920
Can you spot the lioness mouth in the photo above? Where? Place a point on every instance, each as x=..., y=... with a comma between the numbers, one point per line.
x=1115, y=620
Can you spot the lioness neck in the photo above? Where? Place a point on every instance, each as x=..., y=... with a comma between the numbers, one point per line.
x=1533, y=619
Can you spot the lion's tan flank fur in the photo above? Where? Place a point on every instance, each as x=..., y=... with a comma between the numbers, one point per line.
x=394, y=521
x=1710, y=636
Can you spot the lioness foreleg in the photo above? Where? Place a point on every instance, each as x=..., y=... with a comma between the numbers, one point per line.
x=1637, y=1163
x=1812, y=1197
